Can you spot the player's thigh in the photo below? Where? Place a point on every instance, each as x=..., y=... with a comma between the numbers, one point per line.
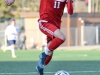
x=51, y=31
x=48, y=29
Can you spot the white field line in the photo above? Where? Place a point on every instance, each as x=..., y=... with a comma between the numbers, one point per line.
x=50, y=72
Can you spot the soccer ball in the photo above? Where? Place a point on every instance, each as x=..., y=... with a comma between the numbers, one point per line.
x=62, y=72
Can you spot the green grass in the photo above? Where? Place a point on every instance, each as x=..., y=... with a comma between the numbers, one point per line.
x=84, y=62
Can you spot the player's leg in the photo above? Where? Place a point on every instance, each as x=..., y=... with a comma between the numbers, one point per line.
x=57, y=38
x=46, y=56
x=12, y=47
x=57, y=41
x=13, y=51
x=48, y=52
x=6, y=47
x=43, y=56
x=52, y=45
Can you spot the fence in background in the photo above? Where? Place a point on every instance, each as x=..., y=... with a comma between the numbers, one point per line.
x=86, y=35
x=83, y=36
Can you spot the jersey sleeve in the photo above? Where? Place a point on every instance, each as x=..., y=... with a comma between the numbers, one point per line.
x=70, y=7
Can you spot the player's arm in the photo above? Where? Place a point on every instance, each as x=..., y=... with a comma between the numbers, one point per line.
x=69, y=6
x=14, y=32
x=9, y=2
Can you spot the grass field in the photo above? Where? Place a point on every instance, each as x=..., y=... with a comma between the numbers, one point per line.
x=84, y=62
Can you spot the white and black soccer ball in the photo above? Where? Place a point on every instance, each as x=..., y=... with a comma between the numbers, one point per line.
x=62, y=72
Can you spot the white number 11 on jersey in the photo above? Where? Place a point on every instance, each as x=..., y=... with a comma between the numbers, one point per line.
x=56, y=4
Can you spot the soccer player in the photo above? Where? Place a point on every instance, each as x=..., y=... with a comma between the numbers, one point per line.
x=22, y=39
x=51, y=12
x=11, y=33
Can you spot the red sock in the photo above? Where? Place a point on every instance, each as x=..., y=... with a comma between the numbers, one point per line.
x=56, y=42
x=48, y=58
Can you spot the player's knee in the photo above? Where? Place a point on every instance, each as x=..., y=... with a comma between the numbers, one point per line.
x=60, y=35
x=63, y=37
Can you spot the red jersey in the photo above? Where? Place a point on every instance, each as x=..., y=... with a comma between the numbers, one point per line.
x=52, y=10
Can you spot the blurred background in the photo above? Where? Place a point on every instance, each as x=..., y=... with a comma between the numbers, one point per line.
x=82, y=28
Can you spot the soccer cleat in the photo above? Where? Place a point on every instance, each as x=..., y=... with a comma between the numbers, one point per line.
x=39, y=70
x=4, y=51
x=41, y=64
x=42, y=60
x=14, y=56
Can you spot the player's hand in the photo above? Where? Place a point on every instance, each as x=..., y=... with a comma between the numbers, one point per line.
x=9, y=2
